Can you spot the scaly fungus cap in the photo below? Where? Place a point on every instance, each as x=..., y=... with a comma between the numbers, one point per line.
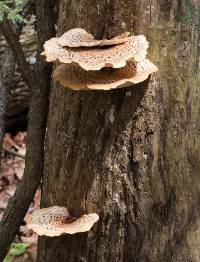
x=74, y=77
x=93, y=58
x=78, y=37
x=55, y=221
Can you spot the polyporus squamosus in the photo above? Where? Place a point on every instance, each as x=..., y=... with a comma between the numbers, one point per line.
x=78, y=37
x=95, y=58
x=74, y=77
x=55, y=221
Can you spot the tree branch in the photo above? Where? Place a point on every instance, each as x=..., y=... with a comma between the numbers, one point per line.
x=11, y=33
x=7, y=66
x=15, y=45
x=34, y=163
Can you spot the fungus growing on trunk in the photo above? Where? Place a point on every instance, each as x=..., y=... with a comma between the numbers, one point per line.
x=55, y=221
x=99, y=64
x=78, y=37
x=95, y=58
x=74, y=77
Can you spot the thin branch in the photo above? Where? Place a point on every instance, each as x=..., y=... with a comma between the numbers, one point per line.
x=7, y=66
x=34, y=163
x=15, y=45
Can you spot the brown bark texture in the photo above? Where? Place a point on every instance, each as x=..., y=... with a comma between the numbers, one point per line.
x=131, y=155
x=6, y=74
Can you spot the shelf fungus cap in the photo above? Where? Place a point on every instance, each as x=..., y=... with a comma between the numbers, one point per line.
x=95, y=58
x=55, y=221
x=74, y=77
x=78, y=37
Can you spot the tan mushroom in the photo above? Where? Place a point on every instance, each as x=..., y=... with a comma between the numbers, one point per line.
x=78, y=37
x=93, y=58
x=55, y=221
x=74, y=77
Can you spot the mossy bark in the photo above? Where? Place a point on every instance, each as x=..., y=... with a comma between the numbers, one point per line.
x=131, y=155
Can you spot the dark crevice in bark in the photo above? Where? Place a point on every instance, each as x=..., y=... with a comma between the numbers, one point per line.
x=15, y=124
x=118, y=99
x=109, y=17
x=150, y=157
x=166, y=6
x=165, y=212
x=163, y=166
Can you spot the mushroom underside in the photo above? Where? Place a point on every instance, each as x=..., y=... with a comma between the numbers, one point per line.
x=55, y=221
x=93, y=58
x=74, y=77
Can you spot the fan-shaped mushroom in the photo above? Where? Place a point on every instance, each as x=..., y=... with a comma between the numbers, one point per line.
x=95, y=58
x=55, y=221
x=78, y=37
x=74, y=77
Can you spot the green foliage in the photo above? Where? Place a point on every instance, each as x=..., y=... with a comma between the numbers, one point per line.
x=11, y=9
x=7, y=259
x=17, y=249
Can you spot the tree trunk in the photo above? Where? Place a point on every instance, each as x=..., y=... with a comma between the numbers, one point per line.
x=131, y=155
x=7, y=65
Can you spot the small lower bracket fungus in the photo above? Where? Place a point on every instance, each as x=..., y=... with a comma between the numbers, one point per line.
x=55, y=221
x=74, y=77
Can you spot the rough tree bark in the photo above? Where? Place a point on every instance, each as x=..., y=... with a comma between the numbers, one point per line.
x=131, y=155
x=7, y=65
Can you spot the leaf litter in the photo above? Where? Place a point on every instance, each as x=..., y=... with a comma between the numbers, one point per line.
x=11, y=171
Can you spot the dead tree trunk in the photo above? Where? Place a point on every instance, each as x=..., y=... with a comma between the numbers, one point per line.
x=131, y=155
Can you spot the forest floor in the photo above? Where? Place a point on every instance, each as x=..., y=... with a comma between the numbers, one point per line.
x=12, y=167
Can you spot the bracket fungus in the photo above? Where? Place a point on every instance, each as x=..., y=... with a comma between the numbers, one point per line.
x=78, y=37
x=74, y=77
x=55, y=221
x=95, y=58
x=87, y=63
